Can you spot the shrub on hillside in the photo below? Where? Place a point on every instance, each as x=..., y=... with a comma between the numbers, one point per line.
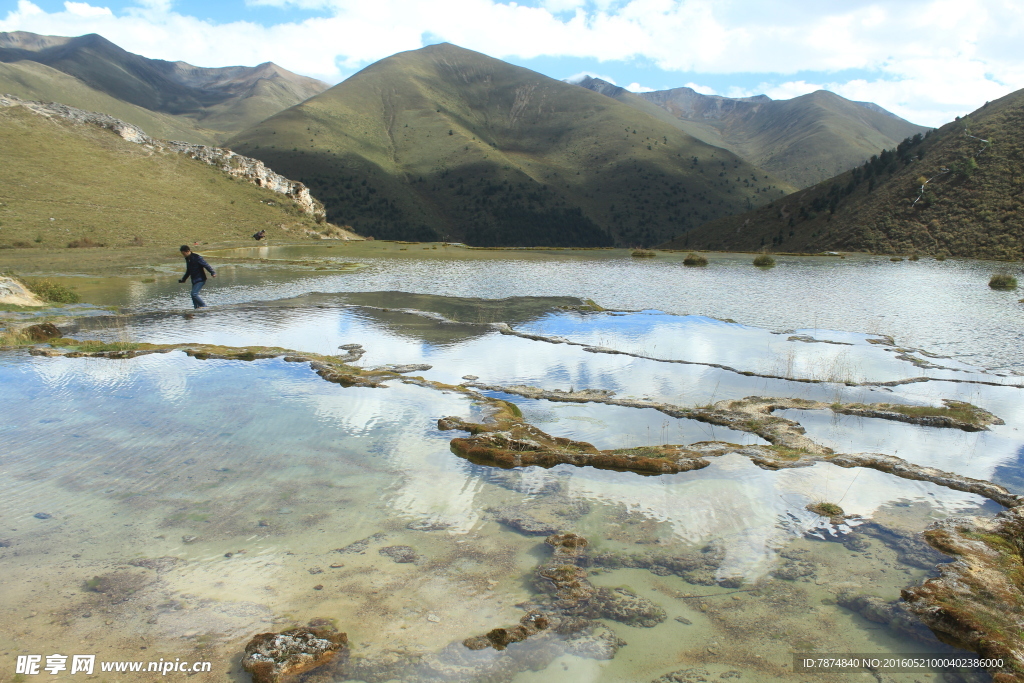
x=54, y=292
x=83, y=242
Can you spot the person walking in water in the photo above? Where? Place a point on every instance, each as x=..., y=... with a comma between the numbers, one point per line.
x=194, y=267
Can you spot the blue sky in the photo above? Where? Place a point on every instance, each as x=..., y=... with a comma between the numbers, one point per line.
x=926, y=60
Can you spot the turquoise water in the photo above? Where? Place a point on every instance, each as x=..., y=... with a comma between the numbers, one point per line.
x=233, y=485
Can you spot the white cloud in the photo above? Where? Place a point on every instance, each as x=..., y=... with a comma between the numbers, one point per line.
x=702, y=89
x=927, y=59
x=84, y=9
x=636, y=87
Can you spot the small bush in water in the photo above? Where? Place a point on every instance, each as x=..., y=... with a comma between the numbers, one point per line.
x=1003, y=281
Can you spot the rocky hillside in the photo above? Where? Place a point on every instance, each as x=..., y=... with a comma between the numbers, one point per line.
x=802, y=141
x=446, y=143
x=956, y=191
x=77, y=178
x=198, y=104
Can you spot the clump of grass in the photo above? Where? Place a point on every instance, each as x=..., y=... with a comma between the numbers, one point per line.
x=896, y=258
x=83, y=242
x=15, y=338
x=136, y=242
x=643, y=253
x=764, y=261
x=825, y=509
x=954, y=410
x=695, y=260
x=914, y=257
x=1003, y=281
x=785, y=453
x=93, y=345
x=940, y=257
x=54, y=292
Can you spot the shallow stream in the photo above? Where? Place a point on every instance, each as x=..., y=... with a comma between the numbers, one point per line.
x=170, y=507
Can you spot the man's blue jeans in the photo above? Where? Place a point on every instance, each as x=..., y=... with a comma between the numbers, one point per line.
x=197, y=302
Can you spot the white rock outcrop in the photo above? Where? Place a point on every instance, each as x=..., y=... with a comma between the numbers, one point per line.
x=13, y=293
x=252, y=170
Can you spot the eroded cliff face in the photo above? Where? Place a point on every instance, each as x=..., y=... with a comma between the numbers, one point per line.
x=252, y=170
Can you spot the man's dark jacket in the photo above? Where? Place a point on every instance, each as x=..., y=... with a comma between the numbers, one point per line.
x=194, y=265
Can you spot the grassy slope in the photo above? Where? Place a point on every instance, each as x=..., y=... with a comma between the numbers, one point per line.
x=445, y=142
x=34, y=81
x=825, y=135
x=977, y=214
x=94, y=184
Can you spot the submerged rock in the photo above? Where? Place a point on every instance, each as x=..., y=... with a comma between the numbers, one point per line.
x=402, y=554
x=274, y=657
x=360, y=546
x=157, y=564
x=698, y=567
x=595, y=642
x=516, y=518
x=896, y=615
x=42, y=332
x=533, y=622
x=623, y=605
x=694, y=674
x=793, y=566
x=576, y=597
x=910, y=549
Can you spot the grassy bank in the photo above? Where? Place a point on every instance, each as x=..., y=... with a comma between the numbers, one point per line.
x=67, y=184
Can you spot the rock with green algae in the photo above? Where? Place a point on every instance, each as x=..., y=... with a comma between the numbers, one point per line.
x=508, y=441
x=532, y=622
x=279, y=657
x=977, y=602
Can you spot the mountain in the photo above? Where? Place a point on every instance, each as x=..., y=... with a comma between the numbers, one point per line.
x=446, y=143
x=70, y=176
x=956, y=191
x=204, y=104
x=802, y=141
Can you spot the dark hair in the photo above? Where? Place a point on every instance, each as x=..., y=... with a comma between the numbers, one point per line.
x=185, y=248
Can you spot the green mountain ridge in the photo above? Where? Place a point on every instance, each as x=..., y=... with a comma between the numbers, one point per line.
x=446, y=143
x=956, y=191
x=203, y=105
x=803, y=140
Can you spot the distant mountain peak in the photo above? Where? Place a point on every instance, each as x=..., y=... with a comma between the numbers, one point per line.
x=220, y=99
x=803, y=140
